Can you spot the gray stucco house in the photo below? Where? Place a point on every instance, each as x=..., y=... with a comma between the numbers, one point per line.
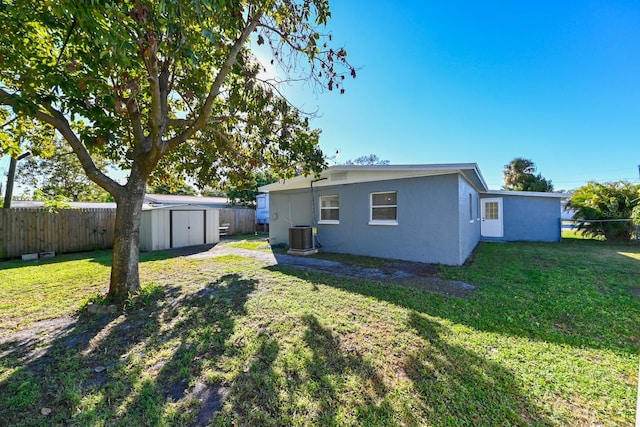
x=428, y=213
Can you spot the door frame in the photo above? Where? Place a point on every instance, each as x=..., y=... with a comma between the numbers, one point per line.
x=485, y=231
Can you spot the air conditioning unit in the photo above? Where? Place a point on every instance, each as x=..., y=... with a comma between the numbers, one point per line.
x=301, y=240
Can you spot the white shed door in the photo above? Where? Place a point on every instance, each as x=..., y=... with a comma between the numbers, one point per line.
x=491, y=225
x=187, y=228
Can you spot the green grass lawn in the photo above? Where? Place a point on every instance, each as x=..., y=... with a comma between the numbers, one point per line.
x=550, y=337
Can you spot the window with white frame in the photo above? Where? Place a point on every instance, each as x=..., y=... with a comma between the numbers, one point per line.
x=384, y=208
x=470, y=207
x=329, y=209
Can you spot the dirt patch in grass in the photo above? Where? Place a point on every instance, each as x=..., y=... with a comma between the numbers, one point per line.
x=435, y=284
x=414, y=268
x=38, y=331
x=635, y=291
x=211, y=399
x=416, y=275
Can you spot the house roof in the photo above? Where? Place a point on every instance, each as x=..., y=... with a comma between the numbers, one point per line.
x=351, y=174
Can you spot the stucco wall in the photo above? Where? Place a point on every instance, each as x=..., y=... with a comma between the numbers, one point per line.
x=534, y=219
x=469, y=219
x=428, y=228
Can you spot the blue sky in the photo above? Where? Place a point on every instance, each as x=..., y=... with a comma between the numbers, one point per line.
x=485, y=82
x=452, y=82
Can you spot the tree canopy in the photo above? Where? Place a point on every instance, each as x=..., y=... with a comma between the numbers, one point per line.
x=371, y=159
x=183, y=189
x=245, y=194
x=519, y=175
x=166, y=87
x=605, y=209
x=58, y=174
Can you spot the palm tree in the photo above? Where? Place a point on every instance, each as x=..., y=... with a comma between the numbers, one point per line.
x=519, y=176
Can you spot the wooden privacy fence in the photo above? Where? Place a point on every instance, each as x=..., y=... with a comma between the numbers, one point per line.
x=241, y=221
x=25, y=231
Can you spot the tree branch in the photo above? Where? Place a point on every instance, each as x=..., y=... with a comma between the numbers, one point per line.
x=156, y=94
x=179, y=122
x=9, y=122
x=207, y=107
x=134, y=116
x=56, y=119
x=188, y=122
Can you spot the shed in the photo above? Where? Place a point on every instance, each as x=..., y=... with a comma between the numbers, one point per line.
x=175, y=226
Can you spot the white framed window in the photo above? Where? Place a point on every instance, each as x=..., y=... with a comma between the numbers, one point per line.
x=470, y=208
x=383, y=208
x=329, y=209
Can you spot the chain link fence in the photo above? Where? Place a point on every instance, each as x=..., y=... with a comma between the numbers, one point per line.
x=573, y=225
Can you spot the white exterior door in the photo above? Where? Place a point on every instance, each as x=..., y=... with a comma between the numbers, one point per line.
x=491, y=225
x=187, y=228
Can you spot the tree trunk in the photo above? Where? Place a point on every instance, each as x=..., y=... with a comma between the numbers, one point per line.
x=125, y=278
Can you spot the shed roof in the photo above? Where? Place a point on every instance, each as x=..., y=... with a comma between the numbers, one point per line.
x=351, y=174
x=173, y=199
x=148, y=207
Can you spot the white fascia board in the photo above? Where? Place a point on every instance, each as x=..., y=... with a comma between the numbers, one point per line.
x=292, y=184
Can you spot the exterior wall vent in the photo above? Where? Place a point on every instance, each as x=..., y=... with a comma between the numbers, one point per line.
x=338, y=176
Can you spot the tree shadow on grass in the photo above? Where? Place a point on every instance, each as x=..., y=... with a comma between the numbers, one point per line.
x=459, y=387
x=104, y=257
x=532, y=303
x=140, y=367
x=475, y=389
x=306, y=385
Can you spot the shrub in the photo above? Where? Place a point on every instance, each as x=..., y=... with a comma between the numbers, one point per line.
x=598, y=205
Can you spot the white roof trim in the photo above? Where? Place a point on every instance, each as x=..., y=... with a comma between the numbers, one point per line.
x=351, y=174
x=527, y=194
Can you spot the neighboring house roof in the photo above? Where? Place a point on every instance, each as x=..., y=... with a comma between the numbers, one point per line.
x=26, y=204
x=79, y=205
x=171, y=199
x=527, y=194
x=150, y=200
x=351, y=174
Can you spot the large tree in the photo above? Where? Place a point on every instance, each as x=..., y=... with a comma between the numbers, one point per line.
x=167, y=87
x=519, y=175
x=605, y=209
